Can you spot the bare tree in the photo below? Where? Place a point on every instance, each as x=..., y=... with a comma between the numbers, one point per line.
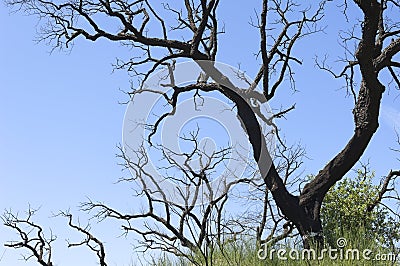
x=33, y=238
x=198, y=228
x=92, y=242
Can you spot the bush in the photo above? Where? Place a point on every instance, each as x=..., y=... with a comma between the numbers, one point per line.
x=345, y=209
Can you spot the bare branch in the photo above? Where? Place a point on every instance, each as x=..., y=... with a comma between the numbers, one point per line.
x=93, y=243
x=32, y=237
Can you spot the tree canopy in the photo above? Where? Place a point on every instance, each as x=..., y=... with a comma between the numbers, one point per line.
x=196, y=216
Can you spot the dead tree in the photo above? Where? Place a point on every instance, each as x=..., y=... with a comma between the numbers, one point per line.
x=31, y=237
x=39, y=246
x=198, y=28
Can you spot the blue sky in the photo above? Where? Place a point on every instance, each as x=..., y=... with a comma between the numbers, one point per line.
x=61, y=121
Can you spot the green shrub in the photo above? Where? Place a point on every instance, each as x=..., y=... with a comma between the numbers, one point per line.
x=244, y=252
x=344, y=214
x=345, y=208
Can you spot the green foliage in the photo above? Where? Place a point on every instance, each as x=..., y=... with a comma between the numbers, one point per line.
x=244, y=252
x=345, y=209
x=344, y=214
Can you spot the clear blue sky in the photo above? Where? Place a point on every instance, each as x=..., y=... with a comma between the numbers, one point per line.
x=61, y=121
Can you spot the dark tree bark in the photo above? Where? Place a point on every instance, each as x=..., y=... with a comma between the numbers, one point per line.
x=370, y=56
x=199, y=21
